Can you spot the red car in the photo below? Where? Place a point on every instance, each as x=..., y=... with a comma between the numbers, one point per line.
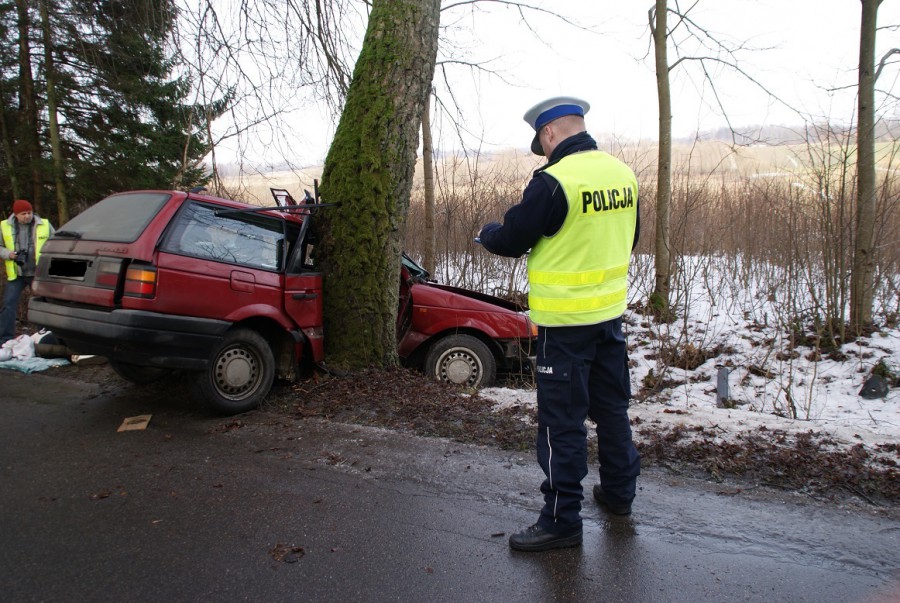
x=158, y=281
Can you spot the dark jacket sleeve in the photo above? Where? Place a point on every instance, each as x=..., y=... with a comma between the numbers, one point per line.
x=541, y=212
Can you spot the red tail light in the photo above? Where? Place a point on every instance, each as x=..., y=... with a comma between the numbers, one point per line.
x=108, y=274
x=140, y=281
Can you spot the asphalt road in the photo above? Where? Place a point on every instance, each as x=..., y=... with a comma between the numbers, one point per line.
x=269, y=508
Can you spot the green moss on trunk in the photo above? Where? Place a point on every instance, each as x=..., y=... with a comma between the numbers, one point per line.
x=369, y=172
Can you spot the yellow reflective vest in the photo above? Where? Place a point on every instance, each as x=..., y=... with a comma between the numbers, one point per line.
x=579, y=275
x=41, y=232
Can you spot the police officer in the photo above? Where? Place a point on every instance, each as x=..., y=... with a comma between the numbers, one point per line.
x=579, y=217
x=22, y=236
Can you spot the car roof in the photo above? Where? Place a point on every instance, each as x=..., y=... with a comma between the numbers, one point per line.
x=232, y=203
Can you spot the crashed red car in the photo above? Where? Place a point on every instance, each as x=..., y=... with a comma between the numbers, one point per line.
x=158, y=281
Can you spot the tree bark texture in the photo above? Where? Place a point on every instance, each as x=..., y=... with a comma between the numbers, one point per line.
x=10, y=162
x=62, y=205
x=28, y=118
x=369, y=173
x=862, y=279
x=428, y=177
x=662, y=250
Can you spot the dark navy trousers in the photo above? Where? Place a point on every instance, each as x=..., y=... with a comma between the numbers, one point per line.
x=583, y=372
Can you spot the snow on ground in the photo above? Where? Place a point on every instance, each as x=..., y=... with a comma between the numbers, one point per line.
x=771, y=382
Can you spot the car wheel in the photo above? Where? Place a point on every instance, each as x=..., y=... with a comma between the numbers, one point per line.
x=461, y=360
x=240, y=373
x=136, y=373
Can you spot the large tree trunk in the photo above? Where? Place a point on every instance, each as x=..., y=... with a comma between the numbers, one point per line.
x=428, y=177
x=62, y=204
x=369, y=172
x=29, y=140
x=658, y=27
x=862, y=279
x=9, y=156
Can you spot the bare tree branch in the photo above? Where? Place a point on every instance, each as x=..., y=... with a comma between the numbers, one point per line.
x=737, y=69
x=520, y=6
x=883, y=61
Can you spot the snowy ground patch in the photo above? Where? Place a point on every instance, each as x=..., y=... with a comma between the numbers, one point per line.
x=778, y=378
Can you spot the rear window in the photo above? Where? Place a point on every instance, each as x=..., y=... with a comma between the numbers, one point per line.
x=118, y=218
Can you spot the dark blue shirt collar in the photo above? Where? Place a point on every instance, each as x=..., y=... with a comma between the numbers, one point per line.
x=573, y=144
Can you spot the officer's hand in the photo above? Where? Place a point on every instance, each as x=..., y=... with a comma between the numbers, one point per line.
x=489, y=227
x=486, y=232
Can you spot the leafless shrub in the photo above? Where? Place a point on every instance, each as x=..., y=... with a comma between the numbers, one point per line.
x=761, y=235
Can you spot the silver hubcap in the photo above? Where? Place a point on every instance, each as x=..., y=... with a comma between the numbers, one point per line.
x=237, y=372
x=460, y=367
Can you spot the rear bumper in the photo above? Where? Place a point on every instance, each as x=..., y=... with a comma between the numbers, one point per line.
x=132, y=336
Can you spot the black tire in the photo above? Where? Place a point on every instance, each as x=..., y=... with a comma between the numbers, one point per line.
x=240, y=373
x=138, y=374
x=461, y=360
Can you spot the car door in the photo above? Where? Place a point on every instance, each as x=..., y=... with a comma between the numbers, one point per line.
x=302, y=282
x=220, y=264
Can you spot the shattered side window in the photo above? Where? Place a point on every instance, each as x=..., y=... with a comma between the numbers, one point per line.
x=248, y=240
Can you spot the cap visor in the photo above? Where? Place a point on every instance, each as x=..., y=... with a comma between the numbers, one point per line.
x=536, y=147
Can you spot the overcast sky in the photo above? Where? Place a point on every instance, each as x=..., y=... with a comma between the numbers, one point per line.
x=807, y=49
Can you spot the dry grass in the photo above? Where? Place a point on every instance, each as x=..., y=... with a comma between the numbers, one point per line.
x=777, y=211
x=254, y=188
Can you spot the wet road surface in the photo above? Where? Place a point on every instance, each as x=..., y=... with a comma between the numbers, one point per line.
x=265, y=507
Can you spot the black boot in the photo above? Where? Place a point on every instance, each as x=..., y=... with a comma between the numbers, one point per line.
x=537, y=538
x=614, y=507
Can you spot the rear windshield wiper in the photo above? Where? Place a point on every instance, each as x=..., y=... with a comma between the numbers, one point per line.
x=67, y=234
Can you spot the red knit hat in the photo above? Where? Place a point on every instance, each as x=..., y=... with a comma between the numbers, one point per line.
x=21, y=205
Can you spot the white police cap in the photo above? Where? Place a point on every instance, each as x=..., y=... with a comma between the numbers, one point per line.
x=546, y=111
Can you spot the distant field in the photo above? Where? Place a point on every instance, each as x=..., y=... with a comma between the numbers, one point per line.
x=703, y=159
x=254, y=188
